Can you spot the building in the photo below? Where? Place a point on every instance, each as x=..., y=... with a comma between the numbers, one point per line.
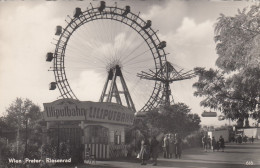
x=98, y=126
x=250, y=132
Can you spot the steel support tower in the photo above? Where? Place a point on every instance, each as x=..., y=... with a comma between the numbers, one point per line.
x=111, y=89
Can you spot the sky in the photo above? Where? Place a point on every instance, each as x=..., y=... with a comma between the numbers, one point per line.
x=27, y=30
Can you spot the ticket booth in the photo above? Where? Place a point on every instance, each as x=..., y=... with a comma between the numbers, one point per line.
x=97, y=127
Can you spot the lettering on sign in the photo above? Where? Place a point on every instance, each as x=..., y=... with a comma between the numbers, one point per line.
x=68, y=109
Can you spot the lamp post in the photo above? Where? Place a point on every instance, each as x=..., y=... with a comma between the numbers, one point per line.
x=26, y=135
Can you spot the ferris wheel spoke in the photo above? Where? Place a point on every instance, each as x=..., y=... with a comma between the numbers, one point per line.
x=85, y=59
x=134, y=50
x=135, y=46
x=88, y=34
x=109, y=50
x=110, y=36
x=138, y=55
x=85, y=68
x=136, y=91
x=117, y=44
x=78, y=50
x=74, y=51
x=83, y=55
x=125, y=37
x=139, y=68
x=137, y=62
x=98, y=28
x=124, y=55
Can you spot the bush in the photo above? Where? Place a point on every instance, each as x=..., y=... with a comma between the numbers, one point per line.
x=7, y=151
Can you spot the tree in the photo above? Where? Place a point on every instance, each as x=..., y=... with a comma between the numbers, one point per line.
x=237, y=40
x=20, y=111
x=234, y=88
x=174, y=119
x=22, y=117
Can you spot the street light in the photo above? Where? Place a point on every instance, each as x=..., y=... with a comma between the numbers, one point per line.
x=26, y=135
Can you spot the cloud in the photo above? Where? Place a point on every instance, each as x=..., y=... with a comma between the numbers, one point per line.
x=194, y=33
x=192, y=44
x=167, y=15
x=88, y=86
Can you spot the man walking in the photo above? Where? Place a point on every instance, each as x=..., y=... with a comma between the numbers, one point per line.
x=154, y=150
x=178, y=146
x=205, y=142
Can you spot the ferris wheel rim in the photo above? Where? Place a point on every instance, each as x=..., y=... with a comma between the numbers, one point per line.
x=110, y=13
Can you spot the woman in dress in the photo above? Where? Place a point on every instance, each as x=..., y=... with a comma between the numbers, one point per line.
x=144, y=152
x=171, y=146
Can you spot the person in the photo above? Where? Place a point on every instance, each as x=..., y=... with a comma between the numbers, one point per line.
x=204, y=142
x=239, y=139
x=165, y=146
x=214, y=144
x=89, y=158
x=221, y=143
x=218, y=145
x=171, y=146
x=252, y=139
x=245, y=139
x=154, y=150
x=209, y=143
x=144, y=152
x=178, y=146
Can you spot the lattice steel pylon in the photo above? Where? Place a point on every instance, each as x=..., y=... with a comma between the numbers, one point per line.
x=167, y=75
x=113, y=91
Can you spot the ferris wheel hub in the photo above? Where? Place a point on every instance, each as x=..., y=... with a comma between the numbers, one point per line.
x=113, y=64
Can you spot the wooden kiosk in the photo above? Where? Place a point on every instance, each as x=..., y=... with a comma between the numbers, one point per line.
x=98, y=126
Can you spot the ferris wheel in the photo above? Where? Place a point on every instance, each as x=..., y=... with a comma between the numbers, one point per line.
x=97, y=41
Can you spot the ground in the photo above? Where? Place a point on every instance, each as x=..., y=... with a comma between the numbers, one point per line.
x=234, y=156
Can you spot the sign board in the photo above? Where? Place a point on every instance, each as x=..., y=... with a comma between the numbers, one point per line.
x=71, y=110
x=209, y=114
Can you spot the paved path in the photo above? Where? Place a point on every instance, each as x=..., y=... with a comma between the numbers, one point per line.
x=234, y=156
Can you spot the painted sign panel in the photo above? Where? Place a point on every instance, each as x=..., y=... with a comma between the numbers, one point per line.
x=70, y=109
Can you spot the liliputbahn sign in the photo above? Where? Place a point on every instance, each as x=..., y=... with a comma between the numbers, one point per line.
x=70, y=109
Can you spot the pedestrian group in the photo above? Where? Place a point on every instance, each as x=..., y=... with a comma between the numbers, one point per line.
x=213, y=144
x=171, y=145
